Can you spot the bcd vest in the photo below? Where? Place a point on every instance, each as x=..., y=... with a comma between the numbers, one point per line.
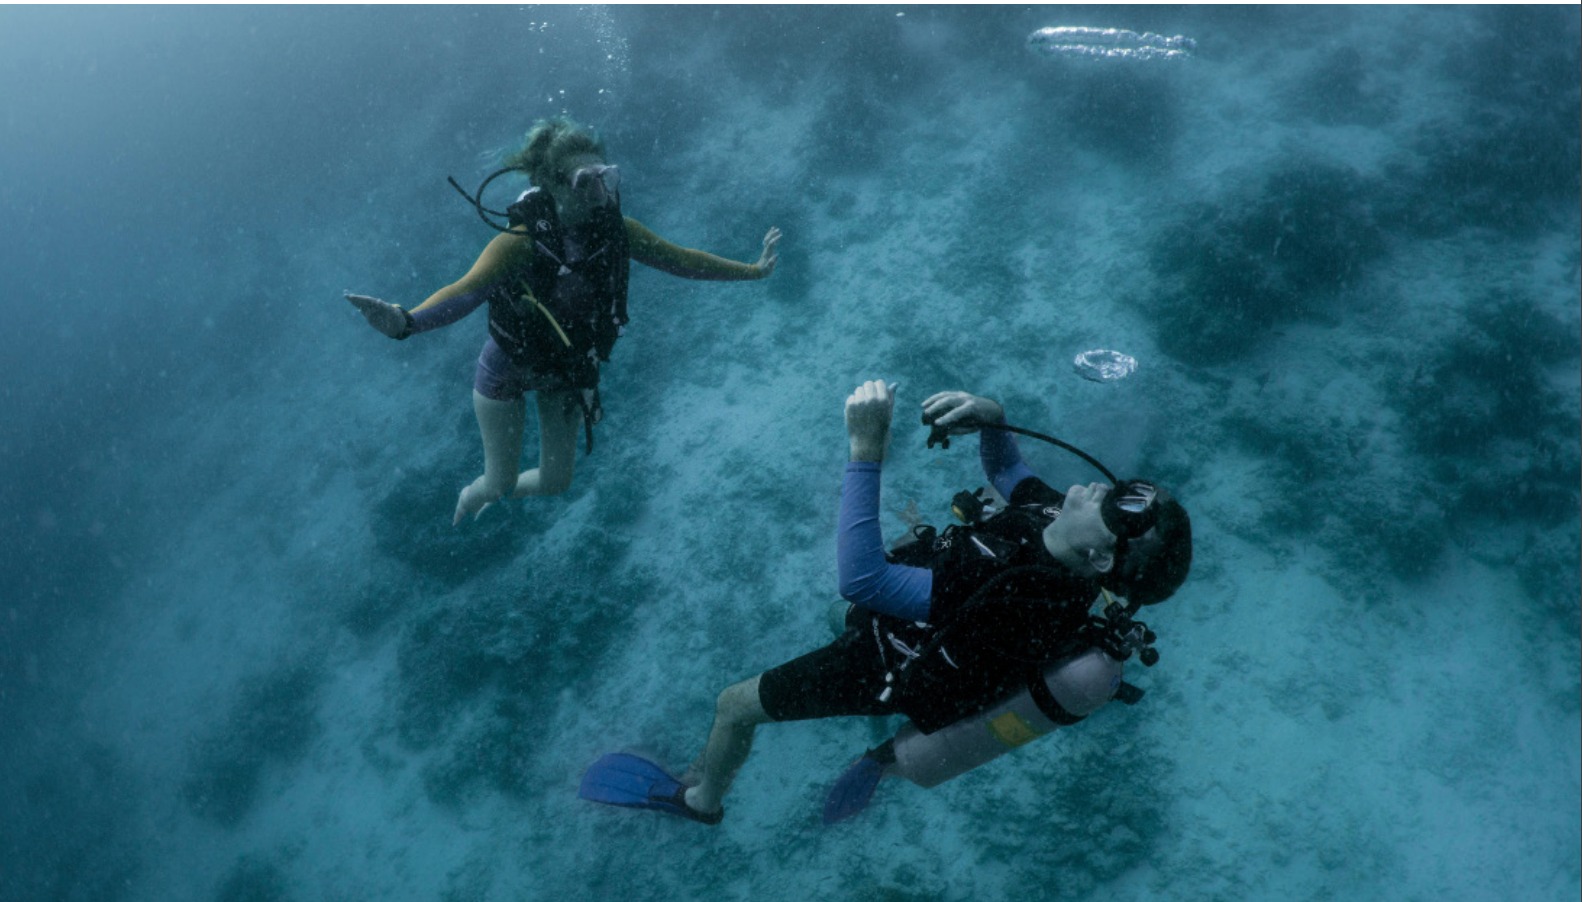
x=1015, y=611
x=564, y=313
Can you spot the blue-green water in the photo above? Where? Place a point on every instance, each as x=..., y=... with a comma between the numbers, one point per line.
x=243, y=655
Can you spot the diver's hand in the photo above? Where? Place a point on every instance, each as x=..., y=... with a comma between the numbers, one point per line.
x=770, y=256
x=868, y=413
x=386, y=317
x=960, y=413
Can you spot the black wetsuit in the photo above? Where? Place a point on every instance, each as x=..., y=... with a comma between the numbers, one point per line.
x=887, y=624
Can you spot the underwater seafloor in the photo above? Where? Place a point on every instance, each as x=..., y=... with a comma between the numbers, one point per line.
x=244, y=656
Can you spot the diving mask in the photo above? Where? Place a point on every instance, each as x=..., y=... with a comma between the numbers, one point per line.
x=599, y=182
x=1129, y=510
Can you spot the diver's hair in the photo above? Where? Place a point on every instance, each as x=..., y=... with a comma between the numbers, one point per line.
x=1156, y=563
x=549, y=143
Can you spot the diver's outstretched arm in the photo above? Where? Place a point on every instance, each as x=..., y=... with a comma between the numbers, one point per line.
x=771, y=252
x=450, y=303
x=384, y=316
x=651, y=250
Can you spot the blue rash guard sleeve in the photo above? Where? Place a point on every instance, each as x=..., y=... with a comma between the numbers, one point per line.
x=449, y=310
x=866, y=578
x=1002, y=460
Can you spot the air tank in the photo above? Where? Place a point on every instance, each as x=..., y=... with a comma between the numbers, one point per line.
x=1081, y=684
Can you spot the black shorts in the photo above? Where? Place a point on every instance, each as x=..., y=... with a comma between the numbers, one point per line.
x=842, y=679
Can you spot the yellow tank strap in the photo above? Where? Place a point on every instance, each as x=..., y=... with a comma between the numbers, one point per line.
x=527, y=295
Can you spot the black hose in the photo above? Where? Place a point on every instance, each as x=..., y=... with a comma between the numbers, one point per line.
x=477, y=200
x=940, y=435
x=1058, y=443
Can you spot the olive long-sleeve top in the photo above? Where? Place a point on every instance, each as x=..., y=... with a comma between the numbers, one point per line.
x=511, y=251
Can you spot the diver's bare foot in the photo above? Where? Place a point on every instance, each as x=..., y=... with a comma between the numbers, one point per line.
x=468, y=504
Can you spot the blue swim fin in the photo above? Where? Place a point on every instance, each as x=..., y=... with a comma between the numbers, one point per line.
x=633, y=782
x=852, y=792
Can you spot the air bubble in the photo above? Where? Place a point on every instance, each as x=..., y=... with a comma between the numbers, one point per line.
x=1108, y=43
x=1100, y=365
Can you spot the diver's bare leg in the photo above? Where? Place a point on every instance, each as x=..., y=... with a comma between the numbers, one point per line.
x=500, y=424
x=737, y=714
x=559, y=422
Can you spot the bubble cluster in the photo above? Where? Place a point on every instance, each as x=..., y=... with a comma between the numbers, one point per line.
x=612, y=43
x=1108, y=43
x=1101, y=365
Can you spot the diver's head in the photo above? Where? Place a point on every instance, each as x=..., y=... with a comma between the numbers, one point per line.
x=1133, y=538
x=1153, y=547
x=567, y=160
x=589, y=182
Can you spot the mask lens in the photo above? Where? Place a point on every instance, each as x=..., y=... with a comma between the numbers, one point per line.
x=1135, y=497
x=1128, y=509
x=600, y=179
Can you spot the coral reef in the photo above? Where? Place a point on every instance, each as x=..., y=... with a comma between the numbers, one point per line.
x=1233, y=270
x=1492, y=423
x=1342, y=88
x=1097, y=813
x=477, y=675
x=272, y=723
x=411, y=524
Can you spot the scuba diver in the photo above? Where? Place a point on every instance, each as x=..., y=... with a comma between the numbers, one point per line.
x=555, y=281
x=979, y=634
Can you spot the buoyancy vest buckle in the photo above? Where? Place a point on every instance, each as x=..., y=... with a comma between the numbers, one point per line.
x=969, y=507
